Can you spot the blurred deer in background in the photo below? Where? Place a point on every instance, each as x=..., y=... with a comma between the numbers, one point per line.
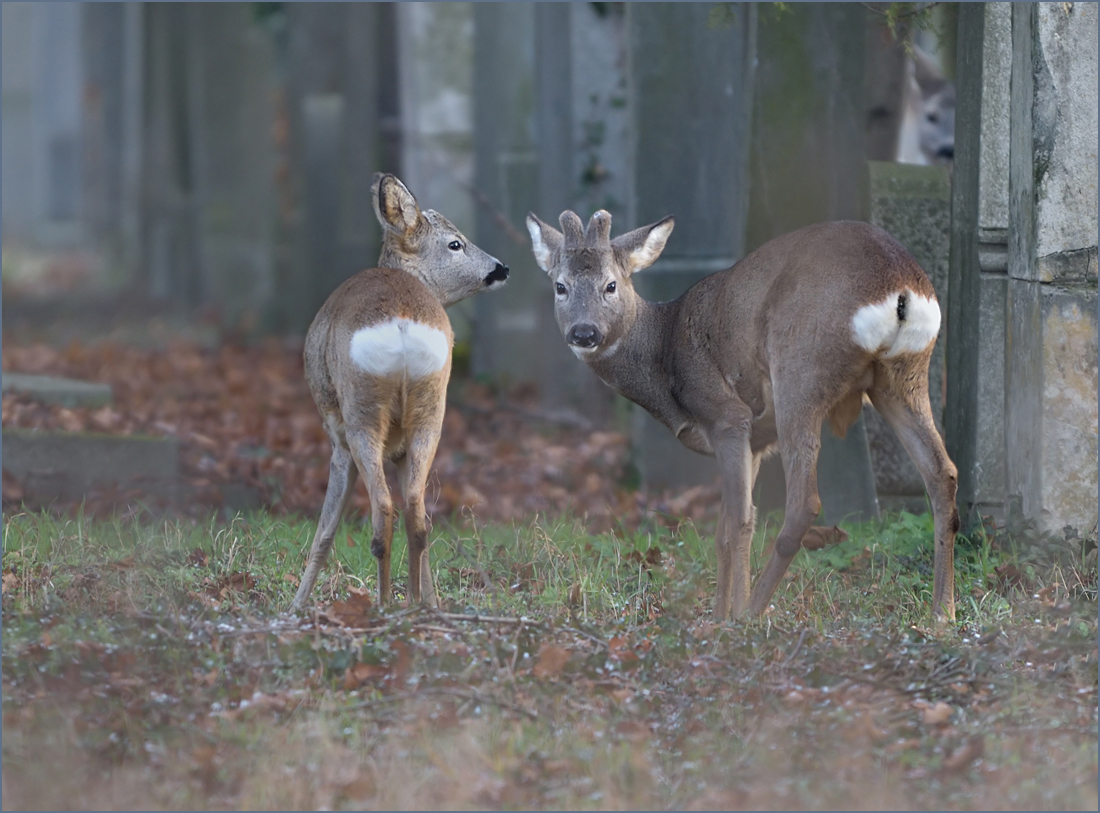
x=927, y=132
x=377, y=360
x=755, y=358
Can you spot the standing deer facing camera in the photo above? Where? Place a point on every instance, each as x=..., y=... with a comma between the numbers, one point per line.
x=756, y=357
x=377, y=359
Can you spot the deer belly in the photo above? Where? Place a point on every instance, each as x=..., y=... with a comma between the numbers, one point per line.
x=400, y=347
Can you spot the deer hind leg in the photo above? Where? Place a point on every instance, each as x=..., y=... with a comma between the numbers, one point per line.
x=413, y=470
x=424, y=417
x=799, y=444
x=341, y=482
x=900, y=394
x=367, y=451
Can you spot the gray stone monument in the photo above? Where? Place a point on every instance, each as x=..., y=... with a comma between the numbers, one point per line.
x=690, y=98
x=913, y=203
x=807, y=166
x=1051, y=330
x=1028, y=160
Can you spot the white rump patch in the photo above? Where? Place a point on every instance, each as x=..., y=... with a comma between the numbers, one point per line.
x=877, y=328
x=400, y=346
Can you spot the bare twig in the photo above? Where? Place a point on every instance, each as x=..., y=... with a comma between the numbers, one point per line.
x=498, y=217
x=489, y=619
x=468, y=696
x=797, y=646
x=901, y=15
x=594, y=638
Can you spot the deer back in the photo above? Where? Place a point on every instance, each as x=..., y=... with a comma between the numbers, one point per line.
x=381, y=334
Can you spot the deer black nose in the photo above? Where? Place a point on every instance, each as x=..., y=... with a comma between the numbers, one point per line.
x=498, y=274
x=584, y=336
x=947, y=151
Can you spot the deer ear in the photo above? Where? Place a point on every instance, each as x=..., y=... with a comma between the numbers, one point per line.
x=929, y=77
x=394, y=205
x=545, y=240
x=643, y=246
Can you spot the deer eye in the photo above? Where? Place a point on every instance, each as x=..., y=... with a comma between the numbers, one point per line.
x=454, y=245
x=559, y=288
x=933, y=117
x=610, y=287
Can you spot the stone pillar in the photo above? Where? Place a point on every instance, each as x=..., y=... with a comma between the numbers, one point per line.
x=690, y=98
x=808, y=166
x=169, y=232
x=1051, y=329
x=437, y=147
x=342, y=118
x=583, y=136
x=1022, y=408
x=974, y=413
x=111, y=45
x=17, y=140
x=508, y=344
x=913, y=203
x=231, y=76
x=103, y=50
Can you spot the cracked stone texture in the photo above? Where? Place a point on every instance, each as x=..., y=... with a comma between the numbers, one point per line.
x=1069, y=411
x=1065, y=133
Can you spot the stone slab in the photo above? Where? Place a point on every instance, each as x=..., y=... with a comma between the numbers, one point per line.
x=1069, y=410
x=66, y=466
x=66, y=392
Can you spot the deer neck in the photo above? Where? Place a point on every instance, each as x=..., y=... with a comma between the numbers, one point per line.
x=641, y=366
x=393, y=257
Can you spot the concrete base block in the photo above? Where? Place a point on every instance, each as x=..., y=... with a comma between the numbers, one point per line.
x=48, y=389
x=62, y=466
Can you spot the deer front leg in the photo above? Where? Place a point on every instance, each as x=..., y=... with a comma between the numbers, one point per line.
x=733, y=540
x=341, y=481
x=799, y=446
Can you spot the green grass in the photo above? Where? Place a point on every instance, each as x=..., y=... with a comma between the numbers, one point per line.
x=156, y=663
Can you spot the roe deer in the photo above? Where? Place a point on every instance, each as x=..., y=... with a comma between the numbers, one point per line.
x=377, y=359
x=927, y=131
x=757, y=356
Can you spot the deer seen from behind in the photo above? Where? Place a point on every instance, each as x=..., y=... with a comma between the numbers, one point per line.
x=377, y=361
x=753, y=359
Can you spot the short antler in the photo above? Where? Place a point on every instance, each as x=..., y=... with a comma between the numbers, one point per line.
x=572, y=228
x=597, y=235
x=599, y=229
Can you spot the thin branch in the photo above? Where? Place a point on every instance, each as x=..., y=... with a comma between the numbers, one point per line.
x=468, y=696
x=489, y=619
x=901, y=15
x=513, y=233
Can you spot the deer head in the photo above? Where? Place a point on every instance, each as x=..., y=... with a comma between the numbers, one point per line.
x=594, y=299
x=430, y=247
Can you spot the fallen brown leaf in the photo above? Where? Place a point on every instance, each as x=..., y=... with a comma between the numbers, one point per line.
x=551, y=661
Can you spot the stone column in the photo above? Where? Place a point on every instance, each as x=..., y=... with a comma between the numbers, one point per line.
x=343, y=126
x=507, y=341
x=913, y=203
x=974, y=411
x=808, y=166
x=231, y=74
x=690, y=97
x=1051, y=328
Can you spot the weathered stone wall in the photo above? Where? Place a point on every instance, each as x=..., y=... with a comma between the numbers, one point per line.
x=1022, y=414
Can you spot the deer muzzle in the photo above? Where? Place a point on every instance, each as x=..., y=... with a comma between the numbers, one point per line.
x=497, y=275
x=584, y=336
